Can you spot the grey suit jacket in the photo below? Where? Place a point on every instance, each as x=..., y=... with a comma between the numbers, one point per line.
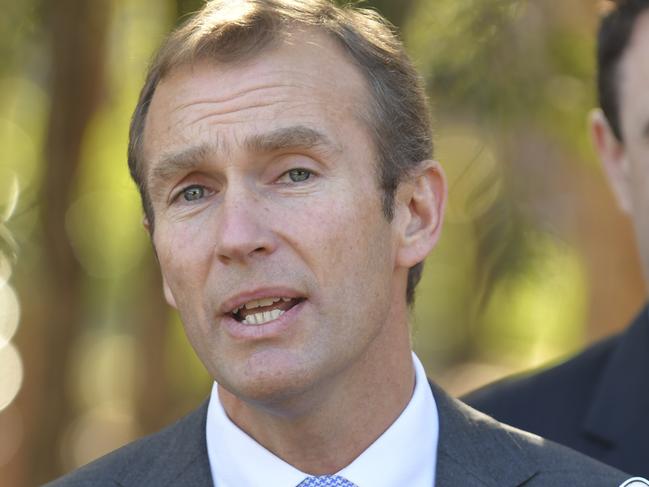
x=474, y=451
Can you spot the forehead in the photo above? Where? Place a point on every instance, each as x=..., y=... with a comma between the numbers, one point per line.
x=306, y=76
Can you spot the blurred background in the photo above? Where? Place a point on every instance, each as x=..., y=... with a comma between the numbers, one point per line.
x=535, y=260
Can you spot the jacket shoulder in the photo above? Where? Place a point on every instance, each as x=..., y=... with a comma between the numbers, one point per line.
x=559, y=465
x=473, y=445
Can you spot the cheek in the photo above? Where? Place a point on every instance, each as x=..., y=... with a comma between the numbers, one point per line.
x=344, y=242
x=183, y=260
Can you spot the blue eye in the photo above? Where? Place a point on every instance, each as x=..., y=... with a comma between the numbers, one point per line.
x=193, y=193
x=299, y=175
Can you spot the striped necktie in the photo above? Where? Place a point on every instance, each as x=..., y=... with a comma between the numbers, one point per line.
x=326, y=481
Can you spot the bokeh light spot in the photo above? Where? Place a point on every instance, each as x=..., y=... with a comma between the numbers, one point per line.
x=9, y=314
x=11, y=377
x=99, y=431
x=5, y=270
x=105, y=229
x=105, y=369
x=19, y=150
x=9, y=191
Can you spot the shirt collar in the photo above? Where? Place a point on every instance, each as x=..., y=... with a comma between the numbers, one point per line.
x=405, y=454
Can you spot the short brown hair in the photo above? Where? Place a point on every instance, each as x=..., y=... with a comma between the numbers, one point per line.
x=232, y=30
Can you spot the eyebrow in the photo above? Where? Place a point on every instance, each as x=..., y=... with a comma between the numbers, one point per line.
x=176, y=162
x=285, y=138
x=294, y=137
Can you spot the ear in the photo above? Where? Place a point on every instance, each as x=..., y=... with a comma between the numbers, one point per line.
x=171, y=301
x=421, y=203
x=613, y=157
x=146, y=224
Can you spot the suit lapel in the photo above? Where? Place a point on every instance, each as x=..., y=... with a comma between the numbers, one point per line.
x=475, y=450
x=622, y=395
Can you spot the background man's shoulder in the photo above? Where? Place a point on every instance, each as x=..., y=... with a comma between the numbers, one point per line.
x=561, y=391
x=594, y=403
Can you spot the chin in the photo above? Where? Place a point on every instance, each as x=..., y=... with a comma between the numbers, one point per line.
x=278, y=387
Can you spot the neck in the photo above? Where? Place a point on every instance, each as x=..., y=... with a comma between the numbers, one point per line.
x=325, y=429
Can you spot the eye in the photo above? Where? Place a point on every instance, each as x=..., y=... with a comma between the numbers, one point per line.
x=298, y=175
x=193, y=193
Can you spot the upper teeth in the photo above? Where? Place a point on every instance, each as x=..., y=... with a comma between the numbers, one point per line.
x=259, y=303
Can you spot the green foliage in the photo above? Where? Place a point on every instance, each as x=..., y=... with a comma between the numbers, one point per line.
x=19, y=23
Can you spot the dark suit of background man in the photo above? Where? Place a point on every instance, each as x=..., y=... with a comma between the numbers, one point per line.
x=598, y=402
x=284, y=156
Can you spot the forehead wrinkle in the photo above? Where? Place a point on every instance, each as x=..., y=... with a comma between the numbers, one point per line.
x=228, y=111
x=239, y=95
x=266, y=96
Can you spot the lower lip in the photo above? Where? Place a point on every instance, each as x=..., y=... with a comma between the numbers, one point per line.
x=241, y=331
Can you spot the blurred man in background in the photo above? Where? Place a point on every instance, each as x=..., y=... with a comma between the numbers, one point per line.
x=598, y=402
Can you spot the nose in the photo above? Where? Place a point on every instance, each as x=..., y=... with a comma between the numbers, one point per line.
x=243, y=231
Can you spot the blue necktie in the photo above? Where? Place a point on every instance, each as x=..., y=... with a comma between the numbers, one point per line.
x=326, y=481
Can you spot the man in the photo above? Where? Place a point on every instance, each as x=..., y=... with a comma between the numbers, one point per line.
x=597, y=402
x=283, y=153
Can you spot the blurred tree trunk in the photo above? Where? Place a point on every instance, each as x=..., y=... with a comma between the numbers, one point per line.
x=154, y=401
x=77, y=31
x=153, y=392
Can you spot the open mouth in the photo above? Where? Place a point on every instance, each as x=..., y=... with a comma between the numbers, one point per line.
x=262, y=311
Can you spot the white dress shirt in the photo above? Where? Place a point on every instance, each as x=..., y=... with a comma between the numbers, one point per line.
x=405, y=454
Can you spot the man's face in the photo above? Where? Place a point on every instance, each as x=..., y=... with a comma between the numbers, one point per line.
x=627, y=162
x=263, y=184
x=634, y=120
